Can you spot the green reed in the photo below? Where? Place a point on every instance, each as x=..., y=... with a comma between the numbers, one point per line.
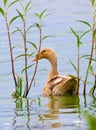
x=20, y=83
x=4, y=12
x=78, y=42
x=91, y=28
x=40, y=16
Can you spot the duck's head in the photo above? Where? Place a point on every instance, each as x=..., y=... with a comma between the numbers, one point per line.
x=46, y=53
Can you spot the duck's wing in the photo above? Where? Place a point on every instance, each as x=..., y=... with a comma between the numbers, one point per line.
x=67, y=86
x=57, y=80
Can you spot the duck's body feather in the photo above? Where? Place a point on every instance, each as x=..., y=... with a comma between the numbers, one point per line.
x=60, y=85
x=55, y=81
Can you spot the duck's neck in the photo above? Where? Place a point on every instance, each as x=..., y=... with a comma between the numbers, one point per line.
x=54, y=68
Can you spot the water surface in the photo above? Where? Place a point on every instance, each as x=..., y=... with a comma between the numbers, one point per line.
x=38, y=112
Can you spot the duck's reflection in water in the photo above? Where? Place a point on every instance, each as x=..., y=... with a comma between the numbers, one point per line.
x=60, y=102
x=63, y=111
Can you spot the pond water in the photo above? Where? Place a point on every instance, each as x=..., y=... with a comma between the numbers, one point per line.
x=38, y=112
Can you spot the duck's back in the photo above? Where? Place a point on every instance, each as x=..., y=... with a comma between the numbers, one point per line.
x=62, y=85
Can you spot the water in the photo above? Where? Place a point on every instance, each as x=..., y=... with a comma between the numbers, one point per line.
x=38, y=112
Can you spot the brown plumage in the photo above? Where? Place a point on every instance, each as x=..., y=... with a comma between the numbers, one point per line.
x=56, y=84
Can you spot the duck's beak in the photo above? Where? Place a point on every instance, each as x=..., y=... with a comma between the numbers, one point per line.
x=38, y=57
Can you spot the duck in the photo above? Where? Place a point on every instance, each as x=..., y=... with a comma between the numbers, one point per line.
x=56, y=84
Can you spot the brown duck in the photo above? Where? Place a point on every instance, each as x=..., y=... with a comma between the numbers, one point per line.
x=56, y=84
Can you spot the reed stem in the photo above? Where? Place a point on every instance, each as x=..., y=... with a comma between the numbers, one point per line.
x=25, y=51
x=92, y=48
x=36, y=66
x=10, y=48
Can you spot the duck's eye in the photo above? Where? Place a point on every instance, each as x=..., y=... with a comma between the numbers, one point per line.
x=43, y=51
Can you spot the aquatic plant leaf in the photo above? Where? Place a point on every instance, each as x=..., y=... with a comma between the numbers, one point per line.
x=44, y=37
x=29, y=27
x=88, y=57
x=91, y=70
x=73, y=32
x=91, y=59
x=14, y=47
x=85, y=56
x=31, y=54
x=23, y=7
x=94, y=34
x=19, y=103
x=13, y=19
x=17, y=90
x=5, y=2
x=78, y=42
x=1, y=11
x=94, y=59
x=18, y=30
x=90, y=118
x=93, y=2
x=36, y=56
x=20, y=85
x=37, y=25
x=21, y=56
x=12, y=3
x=47, y=15
x=91, y=91
x=39, y=101
x=20, y=14
x=77, y=37
x=33, y=44
x=73, y=66
x=26, y=68
x=37, y=15
x=85, y=22
x=85, y=33
x=27, y=6
x=42, y=13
